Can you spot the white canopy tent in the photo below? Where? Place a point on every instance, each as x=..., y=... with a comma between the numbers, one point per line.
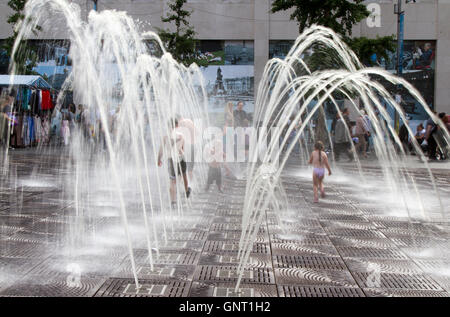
x=24, y=80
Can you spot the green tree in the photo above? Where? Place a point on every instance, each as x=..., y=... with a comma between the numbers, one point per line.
x=340, y=16
x=26, y=56
x=181, y=43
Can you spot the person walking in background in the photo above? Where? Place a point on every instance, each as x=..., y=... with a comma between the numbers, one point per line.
x=420, y=134
x=229, y=115
x=404, y=136
x=79, y=114
x=5, y=120
x=369, y=128
x=241, y=118
x=429, y=138
x=214, y=150
x=319, y=160
x=343, y=137
x=361, y=132
x=65, y=128
x=439, y=135
x=72, y=114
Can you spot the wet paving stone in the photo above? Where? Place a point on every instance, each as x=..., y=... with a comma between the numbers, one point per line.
x=218, y=289
x=116, y=287
x=344, y=246
x=319, y=291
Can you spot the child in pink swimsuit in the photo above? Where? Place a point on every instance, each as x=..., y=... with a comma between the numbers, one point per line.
x=319, y=160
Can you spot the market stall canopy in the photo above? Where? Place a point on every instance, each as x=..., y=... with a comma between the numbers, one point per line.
x=24, y=80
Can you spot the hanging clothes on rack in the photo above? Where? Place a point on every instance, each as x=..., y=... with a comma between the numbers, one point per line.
x=31, y=129
x=26, y=94
x=46, y=103
x=34, y=102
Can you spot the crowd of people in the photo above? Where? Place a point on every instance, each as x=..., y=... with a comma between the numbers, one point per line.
x=356, y=138
x=430, y=136
x=69, y=120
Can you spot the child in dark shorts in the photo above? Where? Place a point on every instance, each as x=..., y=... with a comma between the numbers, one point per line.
x=214, y=171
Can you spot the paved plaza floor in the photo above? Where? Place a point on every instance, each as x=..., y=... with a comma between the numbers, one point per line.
x=353, y=243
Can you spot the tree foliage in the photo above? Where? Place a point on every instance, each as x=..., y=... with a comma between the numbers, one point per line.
x=25, y=57
x=340, y=16
x=365, y=47
x=181, y=43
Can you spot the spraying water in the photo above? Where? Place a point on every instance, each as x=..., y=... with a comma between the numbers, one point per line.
x=287, y=89
x=130, y=95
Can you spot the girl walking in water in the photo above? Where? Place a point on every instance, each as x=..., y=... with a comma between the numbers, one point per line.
x=319, y=160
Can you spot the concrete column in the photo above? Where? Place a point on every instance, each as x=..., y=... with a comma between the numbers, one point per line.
x=261, y=36
x=442, y=87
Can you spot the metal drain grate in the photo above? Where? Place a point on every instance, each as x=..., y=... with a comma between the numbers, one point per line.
x=308, y=239
x=254, y=261
x=18, y=265
x=16, y=249
x=401, y=225
x=299, y=249
x=148, y=288
x=309, y=262
x=231, y=292
x=226, y=246
x=362, y=242
x=407, y=232
x=180, y=245
x=49, y=227
x=188, y=235
x=354, y=225
x=235, y=235
x=297, y=222
x=230, y=274
x=357, y=233
x=364, y=252
x=319, y=291
x=382, y=265
x=225, y=212
x=403, y=293
x=225, y=226
x=166, y=272
x=398, y=281
x=405, y=241
x=338, y=217
x=220, y=289
x=34, y=286
x=301, y=276
x=166, y=257
x=434, y=265
x=14, y=221
x=8, y=230
x=228, y=220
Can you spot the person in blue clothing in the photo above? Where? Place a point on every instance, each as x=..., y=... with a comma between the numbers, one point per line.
x=423, y=59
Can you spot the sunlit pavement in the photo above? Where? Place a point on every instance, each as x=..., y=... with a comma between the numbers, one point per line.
x=358, y=241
